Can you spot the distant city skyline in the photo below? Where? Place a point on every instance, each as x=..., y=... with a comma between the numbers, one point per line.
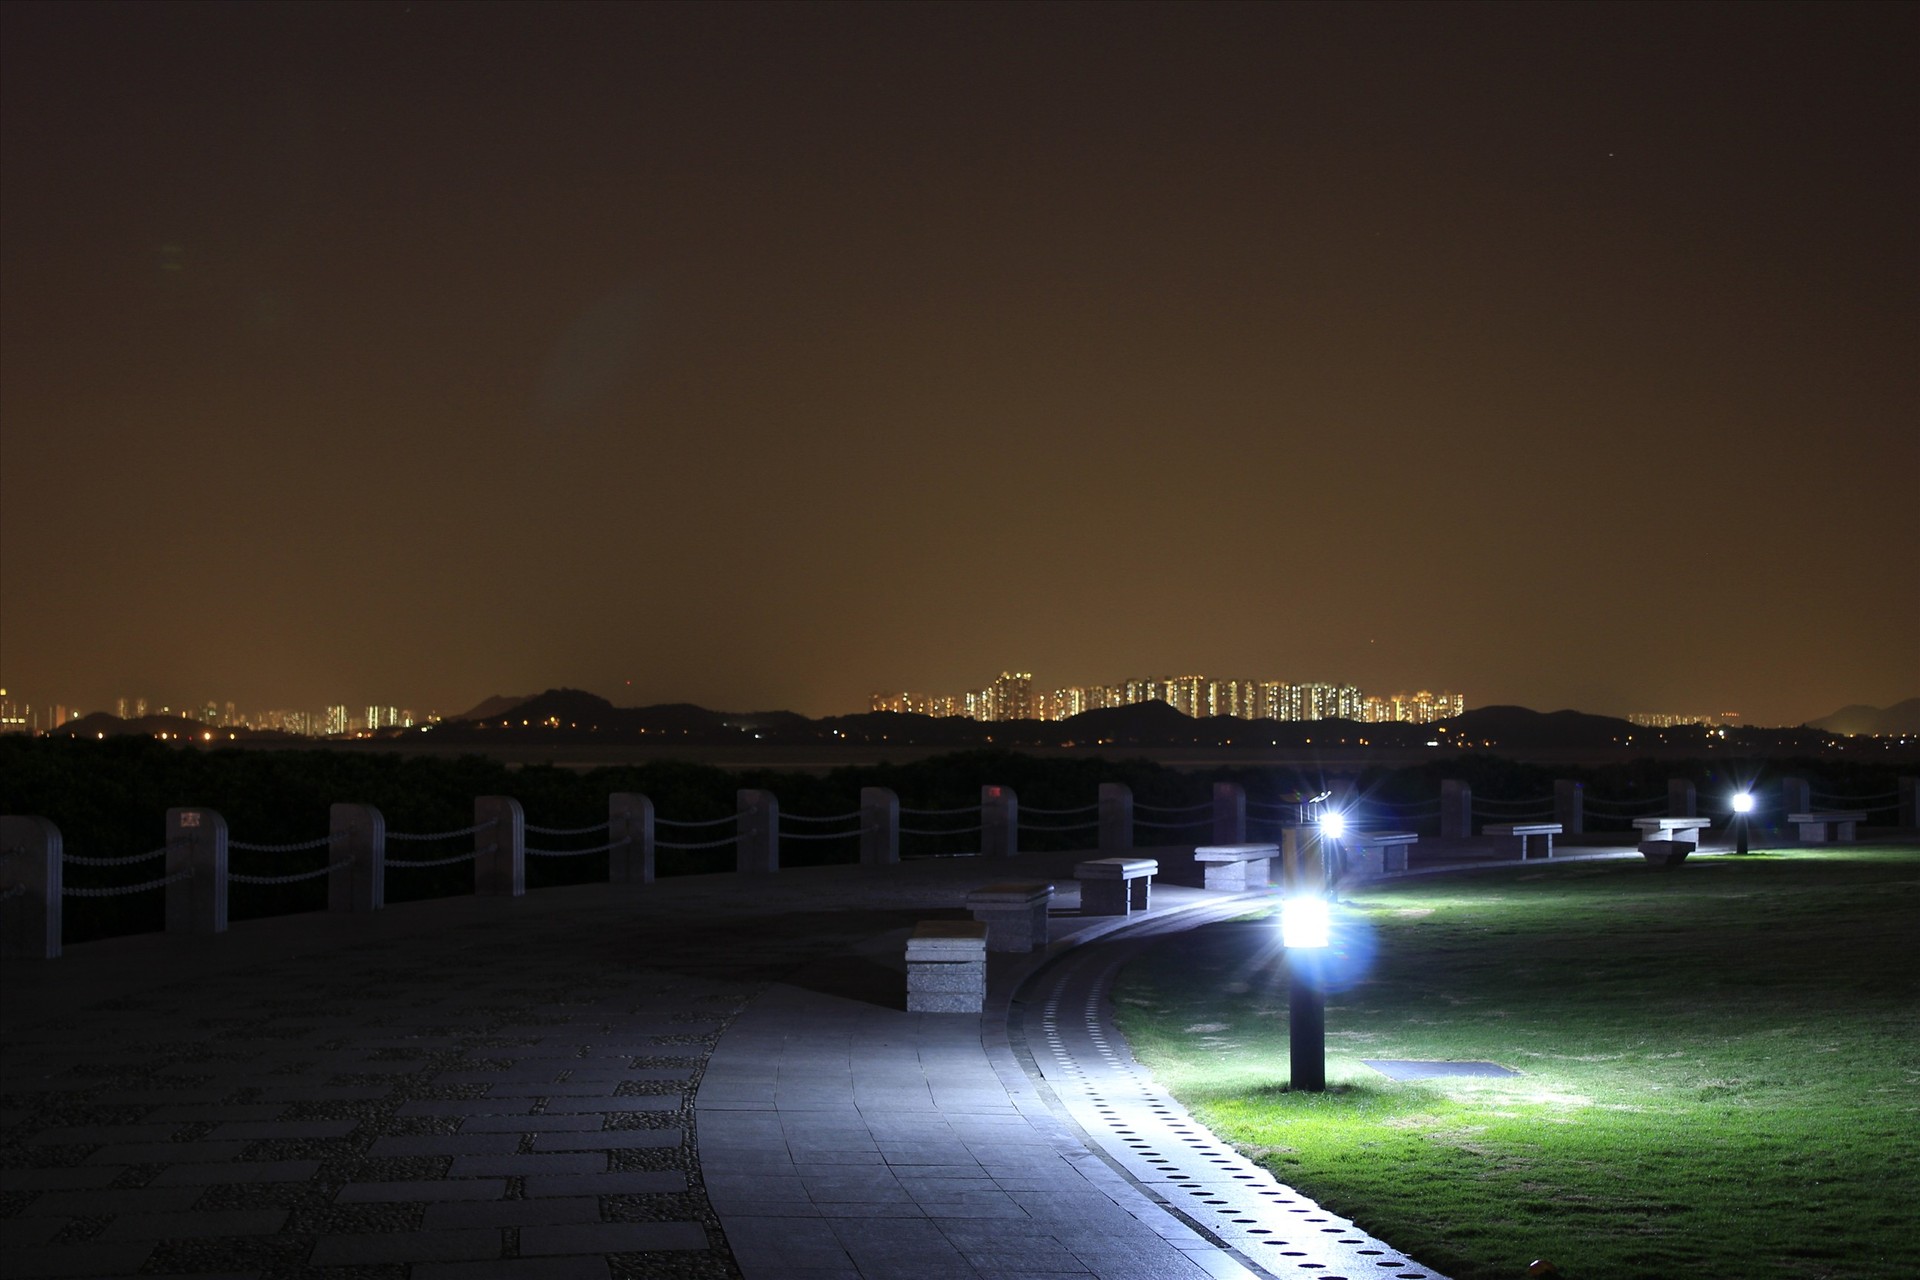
x=1012, y=696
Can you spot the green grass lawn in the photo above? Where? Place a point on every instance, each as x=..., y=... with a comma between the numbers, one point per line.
x=1720, y=1064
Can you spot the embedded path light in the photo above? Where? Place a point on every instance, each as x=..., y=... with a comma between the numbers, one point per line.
x=1742, y=806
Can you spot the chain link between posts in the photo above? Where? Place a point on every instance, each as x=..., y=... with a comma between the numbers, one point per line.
x=148, y=856
x=175, y=878
x=942, y=813
x=9, y=894
x=705, y=822
x=444, y=835
x=578, y=853
x=1492, y=802
x=699, y=844
x=567, y=831
x=949, y=831
x=1058, y=813
x=1601, y=802
x=301, y=847
x=444, y=862
x=297, y=876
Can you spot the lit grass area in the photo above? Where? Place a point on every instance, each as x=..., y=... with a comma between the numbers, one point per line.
x=1720, y=1064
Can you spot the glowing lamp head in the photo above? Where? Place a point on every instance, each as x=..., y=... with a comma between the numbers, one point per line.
x=1333, y=825
x=1743, y=802
x=1303, y=923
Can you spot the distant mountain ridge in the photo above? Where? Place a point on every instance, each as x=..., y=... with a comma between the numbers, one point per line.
x=1901, y=717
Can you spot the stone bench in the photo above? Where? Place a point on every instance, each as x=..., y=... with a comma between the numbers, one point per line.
x=1665, y=831
x=1115, y=886
x=1235, y=868
x=1514, y=835
x=1667, y=853
x=1015, y=913
x=1813, y=826
x=947, y=967
x=1374, y=853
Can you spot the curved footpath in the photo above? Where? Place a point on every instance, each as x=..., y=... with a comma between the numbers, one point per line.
x=704, y=1077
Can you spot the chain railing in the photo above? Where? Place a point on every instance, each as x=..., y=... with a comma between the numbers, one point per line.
x=1884, y=802
x=697, y=844
x=1624, y=806
x=475, y=829
x=417, y=863
x=577, y=853
x=78, y=861
x=566, y=831
x=298, y=847
x=292, y=878
x=69, y=891
x=785, y=818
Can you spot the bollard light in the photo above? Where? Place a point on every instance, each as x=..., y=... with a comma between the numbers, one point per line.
x=1305, y=930
x=1333, y=859
x=1742, y=806
x=1303, y=922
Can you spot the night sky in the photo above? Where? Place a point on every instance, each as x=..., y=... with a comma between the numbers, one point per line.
x=1565, y=355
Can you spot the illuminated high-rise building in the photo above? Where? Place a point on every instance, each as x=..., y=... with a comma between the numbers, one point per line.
x=1011, y=696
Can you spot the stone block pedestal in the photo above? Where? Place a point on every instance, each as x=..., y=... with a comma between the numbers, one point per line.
x=1015, y=913
x=947, y=967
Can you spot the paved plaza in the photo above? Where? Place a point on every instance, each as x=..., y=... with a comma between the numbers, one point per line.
x=706, y=1077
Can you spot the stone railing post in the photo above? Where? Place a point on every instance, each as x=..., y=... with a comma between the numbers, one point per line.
x=879, y=827
x=30, y=853
x=1116, y=817
x=758, y=851
x=1910, y=803
x=630, y=828
x=197, y=842
x=1456, y=809
x=1681, y=800
x=1795, y=797
x=501, y=869
x=1229, y=813
x=359, y=834
x=1570, y=806
x=999, y=822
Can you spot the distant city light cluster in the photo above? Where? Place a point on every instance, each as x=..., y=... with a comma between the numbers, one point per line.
x=334, y=721
x=1013, y=697
x=1674, y=719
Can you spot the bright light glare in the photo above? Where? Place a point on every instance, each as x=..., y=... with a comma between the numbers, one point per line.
x=1333, y=825
x=1743, y=802
x=1303, y=922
